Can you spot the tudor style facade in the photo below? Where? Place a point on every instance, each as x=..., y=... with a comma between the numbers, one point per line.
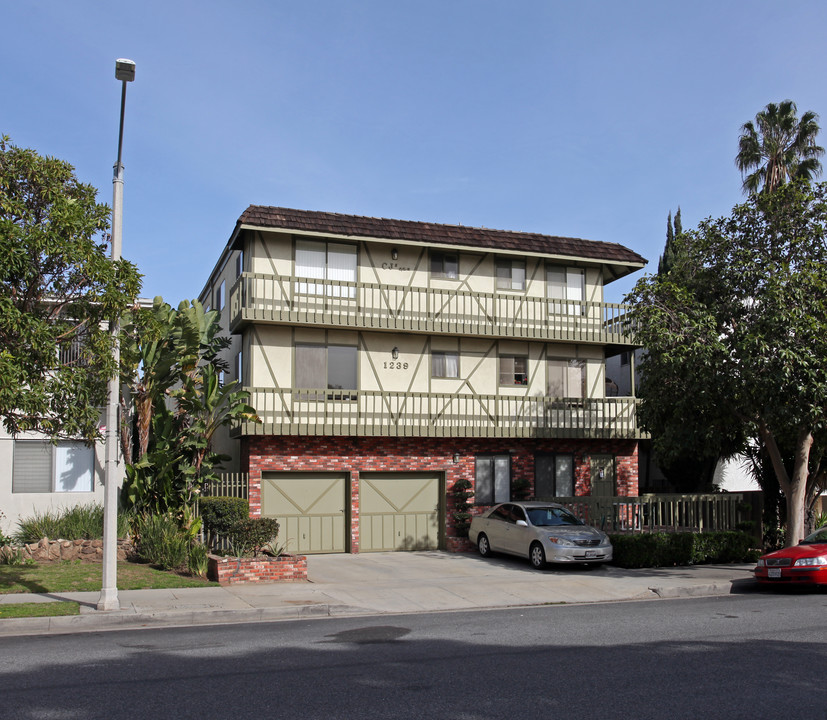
x=388, y=359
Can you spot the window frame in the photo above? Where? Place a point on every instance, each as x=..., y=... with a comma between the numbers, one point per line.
x=500, y=488
x=439, y=263
x=444, y=354
x=344, y=393
x=506, y=281
x=564, y=297
x=55, y=462
x=323, y=277
x=554, y=457
x=220, y=295
x=570, y=363
x=239, y=367
x=513, y=373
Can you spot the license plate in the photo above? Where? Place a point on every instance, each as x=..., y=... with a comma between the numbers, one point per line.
x=773, y=572
x=591, y=553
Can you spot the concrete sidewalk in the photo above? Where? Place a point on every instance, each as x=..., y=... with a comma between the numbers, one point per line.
x=384, y=583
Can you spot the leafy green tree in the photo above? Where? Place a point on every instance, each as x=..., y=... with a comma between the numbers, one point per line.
x=739, y=343
x=58, y=289
x=684, y=451
x=172, y=368
x=778, y=147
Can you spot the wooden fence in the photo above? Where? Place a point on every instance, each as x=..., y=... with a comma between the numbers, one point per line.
x=235, y=485
x=229, y=485
x=670, y=513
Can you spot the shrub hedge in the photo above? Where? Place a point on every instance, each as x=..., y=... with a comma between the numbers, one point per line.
x=668, y=549
x=79, y=522
x=251, y=535
x=220, y=513
x=159, y=540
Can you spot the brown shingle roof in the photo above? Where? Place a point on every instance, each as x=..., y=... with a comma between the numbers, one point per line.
x=460, y=235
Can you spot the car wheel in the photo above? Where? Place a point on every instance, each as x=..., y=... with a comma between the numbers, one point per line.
x=483, y=545
x=537, y=555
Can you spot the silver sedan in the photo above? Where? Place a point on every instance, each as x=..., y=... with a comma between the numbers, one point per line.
x=543, y=532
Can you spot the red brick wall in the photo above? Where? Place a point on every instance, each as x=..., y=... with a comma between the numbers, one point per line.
x=283, y=453
x=231, y=571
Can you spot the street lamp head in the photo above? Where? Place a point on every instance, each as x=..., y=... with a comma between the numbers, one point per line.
x=124, y=70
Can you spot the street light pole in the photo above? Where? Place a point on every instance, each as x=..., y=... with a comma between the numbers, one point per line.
x=125, y=72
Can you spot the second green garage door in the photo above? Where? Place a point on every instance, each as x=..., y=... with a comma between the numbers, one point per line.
x=399, y=511
x=310, y=509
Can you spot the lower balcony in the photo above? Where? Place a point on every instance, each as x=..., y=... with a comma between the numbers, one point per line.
x=376, y=413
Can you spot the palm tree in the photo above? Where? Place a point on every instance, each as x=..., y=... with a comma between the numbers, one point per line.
x=778, y=147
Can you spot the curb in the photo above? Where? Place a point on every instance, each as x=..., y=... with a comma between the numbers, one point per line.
x=670, y=593
x=118, y=620
x=124, y=620
x=730, y=587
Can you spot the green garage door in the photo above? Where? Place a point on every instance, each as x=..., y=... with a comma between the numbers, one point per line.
x=399, y=511
x=310, y=508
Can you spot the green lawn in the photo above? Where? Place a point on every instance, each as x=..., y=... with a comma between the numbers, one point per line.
x=45, y=609
x=76, y=576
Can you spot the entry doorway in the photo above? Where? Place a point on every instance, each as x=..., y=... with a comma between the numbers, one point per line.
x=603, y=489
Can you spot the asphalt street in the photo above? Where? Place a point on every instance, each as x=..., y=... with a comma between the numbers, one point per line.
x=758, y=655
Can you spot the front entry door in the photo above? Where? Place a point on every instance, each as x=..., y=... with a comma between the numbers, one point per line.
x=603, y=488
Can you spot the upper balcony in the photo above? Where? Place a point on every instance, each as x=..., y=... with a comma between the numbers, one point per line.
x=260, y=298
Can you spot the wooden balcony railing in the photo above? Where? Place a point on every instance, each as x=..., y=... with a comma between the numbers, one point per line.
x=283, y=299
x=373, y=413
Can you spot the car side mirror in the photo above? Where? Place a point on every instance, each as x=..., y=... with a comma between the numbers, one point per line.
x=522, y=523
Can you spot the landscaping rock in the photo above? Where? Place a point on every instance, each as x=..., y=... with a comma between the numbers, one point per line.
x=70, y=550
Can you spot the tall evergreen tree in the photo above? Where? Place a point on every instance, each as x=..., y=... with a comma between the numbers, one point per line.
x=667, y=261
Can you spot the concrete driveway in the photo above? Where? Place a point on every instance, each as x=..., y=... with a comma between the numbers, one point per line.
x=385, y=583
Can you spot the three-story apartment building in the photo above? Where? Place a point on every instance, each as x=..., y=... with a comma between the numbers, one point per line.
x=387, y=359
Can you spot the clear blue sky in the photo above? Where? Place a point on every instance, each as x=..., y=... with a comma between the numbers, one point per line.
x=584, y=119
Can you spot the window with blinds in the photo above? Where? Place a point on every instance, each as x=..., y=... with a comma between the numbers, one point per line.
x=41, y=467
x=553, y=476
x=566, y=287
x=333, y=367
x=334, y=263
x=510, y=274
x=492, y=482
x=567, y=378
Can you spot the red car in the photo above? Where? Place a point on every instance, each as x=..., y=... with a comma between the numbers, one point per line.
x=805, y=563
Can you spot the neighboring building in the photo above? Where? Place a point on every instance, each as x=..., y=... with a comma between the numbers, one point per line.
x=387, y=359
x=623, y=377
x=45, y=476
x=38, y=475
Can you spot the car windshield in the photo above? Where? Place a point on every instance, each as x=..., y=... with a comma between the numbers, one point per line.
x=545, y=516
x=819, y=536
